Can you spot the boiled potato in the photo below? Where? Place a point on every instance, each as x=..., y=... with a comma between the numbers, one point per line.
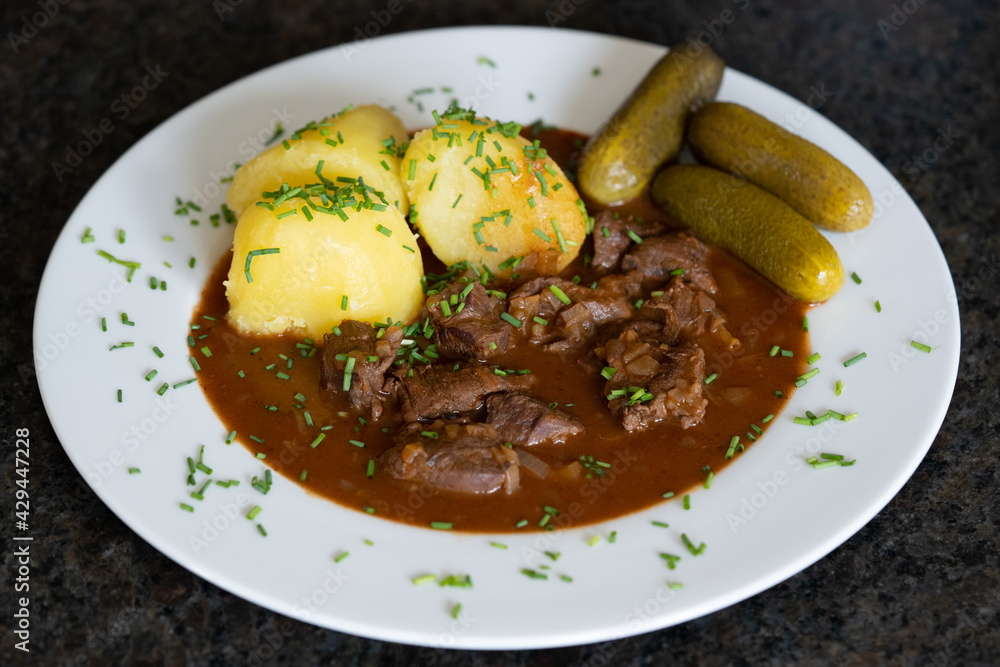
x=522, y=203
x=324, y=270
x=358, y=135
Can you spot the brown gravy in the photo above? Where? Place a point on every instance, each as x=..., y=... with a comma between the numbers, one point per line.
x=643, y=466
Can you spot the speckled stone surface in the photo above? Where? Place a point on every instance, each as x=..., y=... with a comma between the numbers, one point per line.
x=918, y=585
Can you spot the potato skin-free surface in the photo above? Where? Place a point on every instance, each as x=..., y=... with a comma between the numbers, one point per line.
x=756, y=226
x=647, y=131
x=735, y=139
x=533, y=197
x=300, y=289
x=360, y=154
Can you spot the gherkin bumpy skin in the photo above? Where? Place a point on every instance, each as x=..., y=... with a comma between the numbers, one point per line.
x=619, y=161
x=810, y=180
x=754, y=225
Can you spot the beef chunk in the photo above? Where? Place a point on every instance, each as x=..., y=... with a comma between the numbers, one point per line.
x=372, y=355
x=474, y=329
x=695, y=312
x=650, y=262
x=525, y=420
x=569, y=325
x=438, y=390
x=653, y=381
x=468, y=458
x=611, y=238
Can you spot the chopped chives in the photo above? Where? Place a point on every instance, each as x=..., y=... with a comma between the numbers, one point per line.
x=809, y=375
x=119, y=395
x=855, y=359
x=711, y=377
x=532, y=574
x=805, y=324
x=695, y=551
x=498, y=545
x=319, y=438
x=511, y=320
x=344, y=302
x=151, y=375
x=348, y=372
x=424, y=579
x=456, y=610
x=186, y=507
x=521, y=524
x=370, y=472
x=341, y=556
x=252, y=514
x=560, y=294
x=635, y=237
x=813, y=358
x=440, y=525
x=774, y=350
x=671, y=559
x=163, y=388
x=134, y=471
x=920, y=346
x=878, y=307
x=840, y=387
x=660, y=524
x=687, y=501
x=668, y=494
x=356, y=443
x=856, y=278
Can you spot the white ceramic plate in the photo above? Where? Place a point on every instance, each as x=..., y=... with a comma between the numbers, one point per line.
x=765, y=518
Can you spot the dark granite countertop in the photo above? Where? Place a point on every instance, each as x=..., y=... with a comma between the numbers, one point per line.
x=918, y=585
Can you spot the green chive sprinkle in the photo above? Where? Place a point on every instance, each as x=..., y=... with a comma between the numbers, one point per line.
x=856, y=278
x=687, y=501
x=511, y=320
x=440, y=525
x=695, y=551
x=878, y=307
x=186, y=507
x=813, y=358
x=920, y=346
x=660, y=524
x=855, y=359
x=252, y=514
x=711, y=377
x=560, y=294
